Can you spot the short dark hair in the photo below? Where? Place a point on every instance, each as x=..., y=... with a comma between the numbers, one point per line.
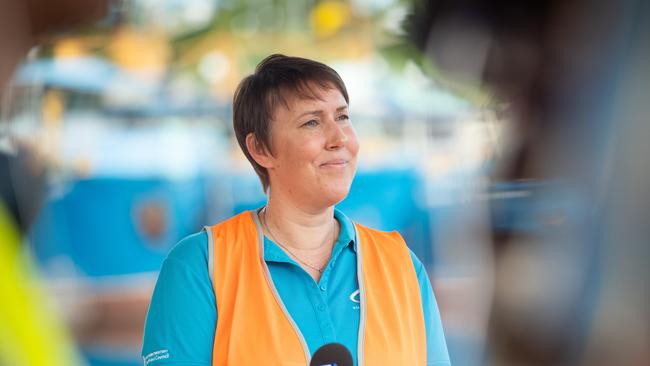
x=275, y=81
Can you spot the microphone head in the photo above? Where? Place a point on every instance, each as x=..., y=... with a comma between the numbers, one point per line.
x=332, y=354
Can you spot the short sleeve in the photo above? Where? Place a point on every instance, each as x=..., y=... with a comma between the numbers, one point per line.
x=437, y=354
x=180, y=324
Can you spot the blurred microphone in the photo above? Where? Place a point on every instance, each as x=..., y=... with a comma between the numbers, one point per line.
x=332, y=354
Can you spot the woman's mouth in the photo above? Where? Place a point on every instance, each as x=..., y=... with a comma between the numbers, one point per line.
x=337, y=163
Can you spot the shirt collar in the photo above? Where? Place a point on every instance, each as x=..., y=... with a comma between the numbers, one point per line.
x=347, y=233
x=273, y=253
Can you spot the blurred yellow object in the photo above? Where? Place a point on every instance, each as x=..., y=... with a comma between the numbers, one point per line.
x=69, y=48
x=140, y=51
x=49, y=136
x=30, y=335
x=53, y=107
x=328, y=17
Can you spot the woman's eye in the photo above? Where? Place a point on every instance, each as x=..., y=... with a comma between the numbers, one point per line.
x=343, y=117
x=311, y=123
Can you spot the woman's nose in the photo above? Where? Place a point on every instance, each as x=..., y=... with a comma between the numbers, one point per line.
x=336, y=135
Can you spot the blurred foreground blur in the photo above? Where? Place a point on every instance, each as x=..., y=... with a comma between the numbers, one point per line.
x=504, y=140
x=571, y=273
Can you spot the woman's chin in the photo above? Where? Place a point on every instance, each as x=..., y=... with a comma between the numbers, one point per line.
x=334, y=196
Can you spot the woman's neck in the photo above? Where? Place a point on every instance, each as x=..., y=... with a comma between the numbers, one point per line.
x=298, y=228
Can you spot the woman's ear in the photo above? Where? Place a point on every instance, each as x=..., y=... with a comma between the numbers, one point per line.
x=258, y=151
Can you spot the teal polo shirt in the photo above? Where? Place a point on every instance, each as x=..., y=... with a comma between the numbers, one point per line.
x=182, y=315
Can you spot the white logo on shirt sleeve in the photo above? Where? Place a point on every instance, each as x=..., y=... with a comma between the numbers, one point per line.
x=162, y=354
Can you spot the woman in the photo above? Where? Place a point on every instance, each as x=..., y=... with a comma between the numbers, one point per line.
x=272, y=285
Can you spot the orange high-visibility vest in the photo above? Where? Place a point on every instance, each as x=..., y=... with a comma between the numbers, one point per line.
x=255, y=328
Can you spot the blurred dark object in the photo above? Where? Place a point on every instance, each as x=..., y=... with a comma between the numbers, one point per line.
x=573, y=76
x=22, y=179
x=511, y=34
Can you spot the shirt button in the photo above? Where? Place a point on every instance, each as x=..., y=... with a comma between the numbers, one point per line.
x=321, y=307
x=323, y=287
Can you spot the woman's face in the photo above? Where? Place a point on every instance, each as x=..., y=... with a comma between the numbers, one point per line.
x=314, y=150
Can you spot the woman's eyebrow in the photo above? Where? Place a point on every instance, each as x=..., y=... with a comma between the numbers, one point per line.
x=316, y=111
x=320, y=111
